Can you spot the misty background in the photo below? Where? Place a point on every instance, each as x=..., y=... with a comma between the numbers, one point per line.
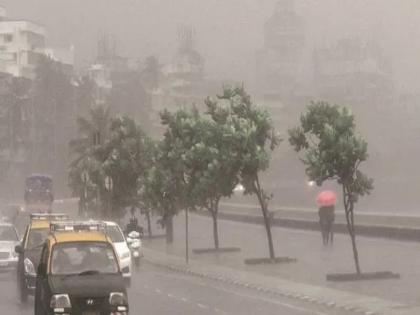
x=229, y=35
x=229, y=32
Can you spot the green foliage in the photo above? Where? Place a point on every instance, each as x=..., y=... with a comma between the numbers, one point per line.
x=86, y=157
x=251, y=131
x=52, y=116
x=332, y=149
x=124, y=154
x=126, y=158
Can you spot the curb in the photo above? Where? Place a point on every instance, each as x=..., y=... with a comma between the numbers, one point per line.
x=253, y=286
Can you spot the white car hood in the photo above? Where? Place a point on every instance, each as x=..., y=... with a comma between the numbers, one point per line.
x=8, y=246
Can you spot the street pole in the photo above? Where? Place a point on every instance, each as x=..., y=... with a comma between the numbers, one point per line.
x=186, y=236
x=109, y=186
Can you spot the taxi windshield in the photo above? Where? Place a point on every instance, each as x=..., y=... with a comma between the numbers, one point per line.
x=8, y=233
x=114, y=233
x=83, y=258
x=36, y=237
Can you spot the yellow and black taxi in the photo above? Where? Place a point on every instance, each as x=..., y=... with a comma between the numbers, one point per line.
x=79, y=273
x=29, y=251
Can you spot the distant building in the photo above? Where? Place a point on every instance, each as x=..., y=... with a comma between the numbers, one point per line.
x=63, y=56
x=101, y=76
x=21, y=45
x=280, y=60
x=183, y=82
x=353, y=72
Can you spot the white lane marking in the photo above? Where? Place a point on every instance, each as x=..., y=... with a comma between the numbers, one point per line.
x=217, y=310
x=243, y=295
x=183, y=299
x=158, y=291
x=202, y=306
x=171, y=295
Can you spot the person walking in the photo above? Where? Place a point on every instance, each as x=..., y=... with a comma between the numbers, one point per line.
x=326, y=201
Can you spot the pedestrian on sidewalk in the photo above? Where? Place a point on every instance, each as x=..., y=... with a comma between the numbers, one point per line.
x=326, y=211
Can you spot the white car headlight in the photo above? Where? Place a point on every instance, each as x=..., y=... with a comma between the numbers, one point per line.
x=125, y=255
x=117, y=298
x=29, y=267
x=60, y=301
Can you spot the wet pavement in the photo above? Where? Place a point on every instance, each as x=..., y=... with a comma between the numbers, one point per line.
x=314, y=260
x=159, y=292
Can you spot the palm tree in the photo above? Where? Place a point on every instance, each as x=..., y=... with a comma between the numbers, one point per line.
x=93, y=132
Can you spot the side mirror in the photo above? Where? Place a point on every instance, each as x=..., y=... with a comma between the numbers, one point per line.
x=41, y=271
x=19, y=249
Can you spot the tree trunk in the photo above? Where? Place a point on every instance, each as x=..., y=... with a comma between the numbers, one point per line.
x=169, y=229
x=214, y=210
x=149, y=224
x=263, y=203
x=349, y=207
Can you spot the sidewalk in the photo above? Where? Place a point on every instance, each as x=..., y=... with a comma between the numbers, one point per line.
x=394, y=226
x=361, y=216
x=307, y=276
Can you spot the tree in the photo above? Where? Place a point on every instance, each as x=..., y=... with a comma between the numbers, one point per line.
x=52, y=118
x=93, y=132
x=179, y=179
x=333, y=151
x=253, y=139
x=159, y=191
x=126, y=158
x=213, y=152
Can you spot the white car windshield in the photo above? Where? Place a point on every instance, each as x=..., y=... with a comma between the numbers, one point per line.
x=83, y=258
x=115, y=234
x=36, y=237
x=8, y=233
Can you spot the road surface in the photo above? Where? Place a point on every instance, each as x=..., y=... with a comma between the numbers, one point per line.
x=159, y=292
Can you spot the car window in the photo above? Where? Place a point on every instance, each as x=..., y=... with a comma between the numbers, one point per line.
x=36, y=237
x=76, y=258
x=8, y=233
x=115, y=234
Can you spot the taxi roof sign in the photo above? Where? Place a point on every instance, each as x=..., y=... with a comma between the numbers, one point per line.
x=49, y=216
x=76, y=226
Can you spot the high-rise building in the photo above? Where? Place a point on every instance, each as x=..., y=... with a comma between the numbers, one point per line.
x=21, y=44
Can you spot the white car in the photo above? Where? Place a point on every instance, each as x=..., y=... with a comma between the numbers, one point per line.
x=116, y=235
x=9, y=238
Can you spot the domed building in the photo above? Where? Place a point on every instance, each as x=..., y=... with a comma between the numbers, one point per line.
x=279, y=63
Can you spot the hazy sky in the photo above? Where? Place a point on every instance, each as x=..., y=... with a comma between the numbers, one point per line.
x=230, y=31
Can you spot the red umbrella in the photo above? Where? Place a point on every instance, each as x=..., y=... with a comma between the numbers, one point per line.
x=326, y=198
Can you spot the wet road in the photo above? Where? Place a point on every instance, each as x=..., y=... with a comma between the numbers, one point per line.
x=156, y=291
